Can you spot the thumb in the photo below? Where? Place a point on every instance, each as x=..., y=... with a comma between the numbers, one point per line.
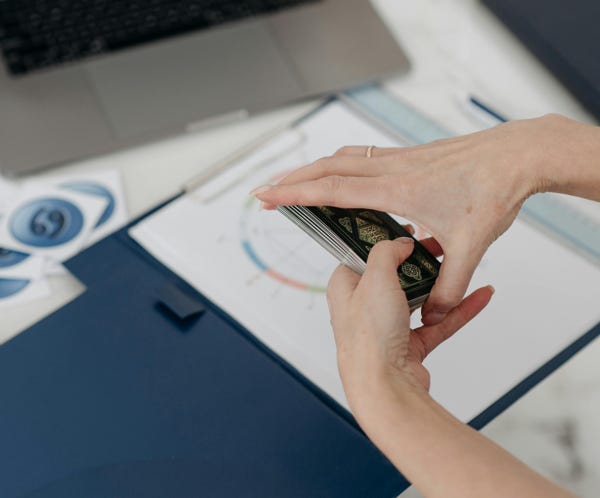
x=383, y=262
x=451, y=285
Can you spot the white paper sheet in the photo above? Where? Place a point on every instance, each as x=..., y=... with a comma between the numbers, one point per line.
x=18, y=291
x=21, y=265
x=271, y=277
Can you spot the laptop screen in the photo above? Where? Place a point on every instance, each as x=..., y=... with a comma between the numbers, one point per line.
x=564, y=36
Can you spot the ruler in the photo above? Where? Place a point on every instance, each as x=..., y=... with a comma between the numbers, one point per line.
x=551, y=213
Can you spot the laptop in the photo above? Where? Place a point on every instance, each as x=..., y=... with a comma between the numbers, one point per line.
x=86, y=77
x=564, y=36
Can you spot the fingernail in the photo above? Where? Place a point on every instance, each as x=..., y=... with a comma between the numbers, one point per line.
x=405, y=240
x=433, y=317
x=261, y=190
x=263, y=205
x=492, y=288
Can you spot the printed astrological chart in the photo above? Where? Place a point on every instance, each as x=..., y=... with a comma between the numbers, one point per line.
x=282, y=252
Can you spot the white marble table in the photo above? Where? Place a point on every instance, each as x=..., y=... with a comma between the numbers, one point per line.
x=456, y=46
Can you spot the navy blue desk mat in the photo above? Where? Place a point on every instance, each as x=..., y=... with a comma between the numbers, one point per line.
x=115, y=395
x=142, y=387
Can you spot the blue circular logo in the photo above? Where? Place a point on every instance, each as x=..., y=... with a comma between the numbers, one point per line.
x=92, y=188
x=11, y=286
x=46, y=222
x=11, y=258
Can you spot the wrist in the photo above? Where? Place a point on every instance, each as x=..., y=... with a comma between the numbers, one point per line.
x=376, y=392
x=392, y=410
x=570, y=157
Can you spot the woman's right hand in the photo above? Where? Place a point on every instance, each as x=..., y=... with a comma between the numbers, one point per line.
x=465, y=191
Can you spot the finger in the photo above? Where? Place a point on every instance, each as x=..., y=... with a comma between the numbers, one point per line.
x=267, y=207
x=338, y=165
x=341, y=286
x=451, y=284
x=383, y=261
x=469, y=308
x=337, y=191
x=348, y=165
x=361, y=151
x=409, y=228
x=432, y=245
x=340, y=289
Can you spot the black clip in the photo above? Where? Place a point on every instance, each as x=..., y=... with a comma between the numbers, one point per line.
x=181, y=305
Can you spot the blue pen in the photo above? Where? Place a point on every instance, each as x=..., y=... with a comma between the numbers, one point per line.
x=487, y=109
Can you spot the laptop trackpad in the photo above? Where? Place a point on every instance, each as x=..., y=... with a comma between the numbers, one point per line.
x=184, y=80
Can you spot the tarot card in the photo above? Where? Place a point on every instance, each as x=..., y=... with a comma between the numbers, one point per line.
x=350, y=234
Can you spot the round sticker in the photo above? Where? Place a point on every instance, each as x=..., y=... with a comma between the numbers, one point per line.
x=46, y=222
x=11, y=258
x=11, y=286
x=98, y=190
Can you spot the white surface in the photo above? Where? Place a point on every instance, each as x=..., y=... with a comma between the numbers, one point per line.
x=31, y=267
x=454, y=45
x=35, y=290
x=546, y=298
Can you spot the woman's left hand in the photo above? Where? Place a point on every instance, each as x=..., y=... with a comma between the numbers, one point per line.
x=371, y=323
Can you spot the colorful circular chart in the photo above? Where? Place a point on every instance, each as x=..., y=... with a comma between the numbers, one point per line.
x=283, y=252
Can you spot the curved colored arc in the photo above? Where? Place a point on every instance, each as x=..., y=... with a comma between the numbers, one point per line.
x=249, y=250
x=256, y=259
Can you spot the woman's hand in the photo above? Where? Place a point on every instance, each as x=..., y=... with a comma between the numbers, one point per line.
x=380, y=362
x=465, y=191
x=370, y=318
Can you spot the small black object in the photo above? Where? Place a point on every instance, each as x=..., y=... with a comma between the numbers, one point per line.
x=181, y=304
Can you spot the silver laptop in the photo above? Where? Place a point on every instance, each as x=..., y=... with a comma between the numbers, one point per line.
x=82, y=78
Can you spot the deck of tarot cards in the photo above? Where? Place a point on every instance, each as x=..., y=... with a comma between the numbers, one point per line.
x=349, y=235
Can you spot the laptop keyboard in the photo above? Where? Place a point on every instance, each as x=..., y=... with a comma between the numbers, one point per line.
x=39, y=33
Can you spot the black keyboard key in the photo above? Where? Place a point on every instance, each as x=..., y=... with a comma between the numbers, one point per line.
x=41, y=33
